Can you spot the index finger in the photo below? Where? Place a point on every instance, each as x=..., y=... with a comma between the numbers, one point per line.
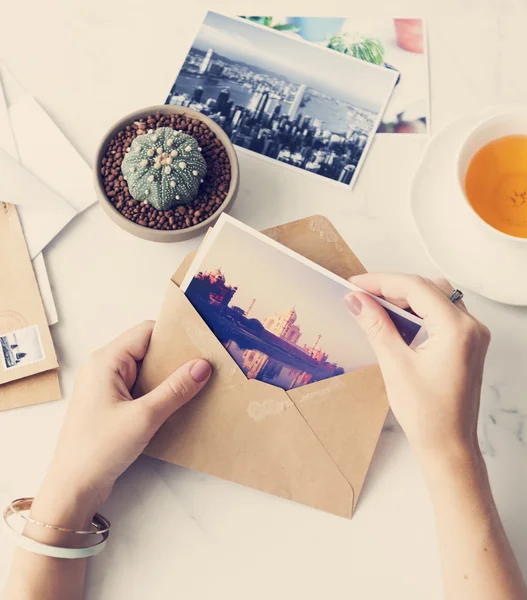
x=424, y=298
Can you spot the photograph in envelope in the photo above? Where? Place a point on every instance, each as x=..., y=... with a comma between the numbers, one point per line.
x=281, y=318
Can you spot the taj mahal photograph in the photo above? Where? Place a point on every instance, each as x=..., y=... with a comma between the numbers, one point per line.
x=281, y=321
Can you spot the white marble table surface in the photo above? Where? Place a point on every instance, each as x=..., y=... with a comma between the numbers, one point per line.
x=180, y=534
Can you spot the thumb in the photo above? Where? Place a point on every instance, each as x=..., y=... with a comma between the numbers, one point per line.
x=177, y=389
x=377, y=325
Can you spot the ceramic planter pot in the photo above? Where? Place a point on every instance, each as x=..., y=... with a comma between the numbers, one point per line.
x=156, y=235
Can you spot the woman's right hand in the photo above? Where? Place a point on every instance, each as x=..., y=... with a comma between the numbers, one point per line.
x=434, y=390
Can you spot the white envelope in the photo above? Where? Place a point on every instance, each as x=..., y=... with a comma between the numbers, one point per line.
x=40, y=172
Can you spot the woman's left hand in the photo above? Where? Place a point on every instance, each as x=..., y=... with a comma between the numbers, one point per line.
x=105, y=430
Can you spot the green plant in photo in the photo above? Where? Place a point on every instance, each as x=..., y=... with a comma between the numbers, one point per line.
x=268, y=22
x=368, y=49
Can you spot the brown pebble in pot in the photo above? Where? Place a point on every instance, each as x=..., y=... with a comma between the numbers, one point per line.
x=212, y=191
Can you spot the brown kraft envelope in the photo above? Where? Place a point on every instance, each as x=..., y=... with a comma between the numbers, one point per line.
x=311, y=444
x=25, y=377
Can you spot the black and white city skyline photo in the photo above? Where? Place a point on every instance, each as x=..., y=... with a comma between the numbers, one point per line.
x=284, y=98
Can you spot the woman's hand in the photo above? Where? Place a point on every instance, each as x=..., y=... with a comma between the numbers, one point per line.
x=433, y=390
x=103, y=433
x=105, y=430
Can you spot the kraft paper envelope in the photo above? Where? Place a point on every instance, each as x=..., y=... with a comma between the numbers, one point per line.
x=28, y=361
x=311, y=444
x=41, y=172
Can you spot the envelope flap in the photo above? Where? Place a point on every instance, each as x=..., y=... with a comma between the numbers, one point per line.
x=317, y=239
x=313, y=237
x=346, y=414
x=242, y=430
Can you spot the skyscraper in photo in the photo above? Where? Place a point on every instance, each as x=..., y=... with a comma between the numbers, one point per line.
x=198, y=94
x=211, y=103
x=304, y=123
x=204, y=67
x=227, y=109
x=254, y=101
x=238, y=114
x=262, y=104
x=258, y=99
x=258, y=143
x=346, y=174
x=299, y=96
x=272, y=103
x=222, y=99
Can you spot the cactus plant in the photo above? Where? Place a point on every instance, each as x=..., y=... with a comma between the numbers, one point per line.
x=164, y=167
x=368, y=49
x=268, y=22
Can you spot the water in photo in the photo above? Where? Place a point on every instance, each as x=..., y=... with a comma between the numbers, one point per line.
x=283, y=98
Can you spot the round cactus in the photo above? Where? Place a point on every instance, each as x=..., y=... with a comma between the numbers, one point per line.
x=164, y=167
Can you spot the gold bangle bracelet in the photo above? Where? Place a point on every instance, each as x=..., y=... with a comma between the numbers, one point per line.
x=101, y=524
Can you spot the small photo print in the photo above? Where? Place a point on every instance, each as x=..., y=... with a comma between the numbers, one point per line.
x=283, y=98
x=21, y=348
x=281, y=318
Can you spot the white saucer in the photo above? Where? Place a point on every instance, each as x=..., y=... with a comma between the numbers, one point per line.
x=465, y=251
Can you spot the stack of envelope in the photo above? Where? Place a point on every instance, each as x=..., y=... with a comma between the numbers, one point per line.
x=44, y=184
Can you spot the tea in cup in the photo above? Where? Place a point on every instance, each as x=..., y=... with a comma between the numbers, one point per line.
x=492, y=169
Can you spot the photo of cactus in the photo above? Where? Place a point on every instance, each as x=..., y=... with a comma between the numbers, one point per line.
x=285, y=99
x=282, y=320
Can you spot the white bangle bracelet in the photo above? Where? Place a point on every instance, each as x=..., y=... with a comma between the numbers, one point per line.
x=101, y=525
x=53, y=551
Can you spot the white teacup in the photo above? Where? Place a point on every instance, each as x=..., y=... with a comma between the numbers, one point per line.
x=513, y=122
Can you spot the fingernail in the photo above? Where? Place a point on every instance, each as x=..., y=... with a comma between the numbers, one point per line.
x=200, y=370
x=353, y=303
